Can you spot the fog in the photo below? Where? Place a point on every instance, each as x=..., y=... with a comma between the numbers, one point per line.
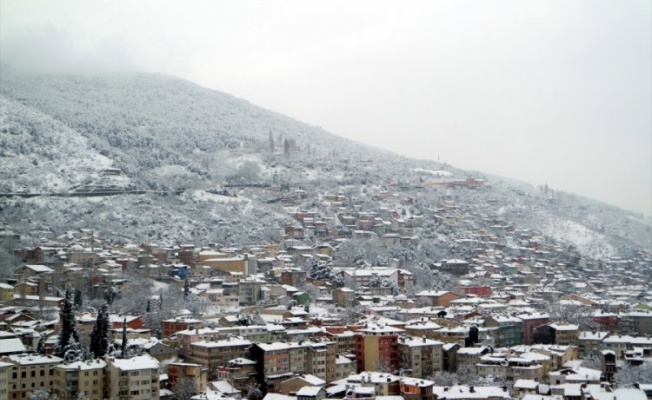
x=550, y=92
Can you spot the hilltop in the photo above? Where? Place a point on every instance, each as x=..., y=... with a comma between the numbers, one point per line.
x=211, y=167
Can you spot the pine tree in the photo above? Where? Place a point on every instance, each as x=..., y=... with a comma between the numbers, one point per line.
x=99, y=346
x=40, y=348
x=148, y=307
x=186, y=289
x=73, y=351
x=160, y=301
x=124, y=338
x=68, y=325
x=78, y=299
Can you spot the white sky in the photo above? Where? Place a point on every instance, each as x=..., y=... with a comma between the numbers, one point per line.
x=556, y=92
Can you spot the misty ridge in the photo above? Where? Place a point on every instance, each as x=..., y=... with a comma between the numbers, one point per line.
x=150, y=132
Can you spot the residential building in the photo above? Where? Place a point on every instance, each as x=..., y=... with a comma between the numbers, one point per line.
x=376, y=348
x=29, y=372
x=532, y=320
x=420, y=357
x=507, y=330
x=213, y=354
x=80, y=379
x=435, y=298
x=195, y=373
x=135, y=378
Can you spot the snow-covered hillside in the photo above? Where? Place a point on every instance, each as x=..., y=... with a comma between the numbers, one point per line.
x=155, y=133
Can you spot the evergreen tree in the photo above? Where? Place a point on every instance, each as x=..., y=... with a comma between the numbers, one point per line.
x=68, y=325
x=148, y=307
x=186, y=289
x=73, y=351
x=100, y=336
x=160, y=301
x=78, y=299
x=124, y=338
x=40, y=348
x=286, y=147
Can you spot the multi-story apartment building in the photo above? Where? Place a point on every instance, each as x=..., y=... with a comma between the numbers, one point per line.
x=509, y=368
x=276, y=360
x=532, y=320
x=590, y=343
x=321, y=359
x=135, y=378
x=5, y=369
x=470, y=356
x=213, y=354
x=420, y=357
x=561, y=334
x=507, y=330
x=29, y=372
x=239, y=372
x=637, y=322
x=344, y=338
x=195, y=373
x=376, y=348
x=80, y=379
x=174, y=325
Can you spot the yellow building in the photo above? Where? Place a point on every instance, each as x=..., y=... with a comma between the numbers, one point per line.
x=135, y=378
x=5, y=368
x=240, y=264
x=29, y=372
x=80, y=379
x=6, y=292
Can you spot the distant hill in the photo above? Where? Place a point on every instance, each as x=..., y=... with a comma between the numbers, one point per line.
x=153, y=133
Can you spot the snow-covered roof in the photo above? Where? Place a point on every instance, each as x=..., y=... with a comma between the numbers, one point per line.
x=310, y=391
x=136, y=363
x=82, y=365
x=11, y=345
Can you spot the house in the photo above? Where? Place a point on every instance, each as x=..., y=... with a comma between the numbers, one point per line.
x=435, y=298
x=293, y=385
x=416, y=389
x=311, y=393
x=6, y=292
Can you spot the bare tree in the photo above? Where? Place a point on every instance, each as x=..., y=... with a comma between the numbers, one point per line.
x=184, y=389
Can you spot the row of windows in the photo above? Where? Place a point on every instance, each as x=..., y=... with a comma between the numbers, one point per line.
x=23, y=374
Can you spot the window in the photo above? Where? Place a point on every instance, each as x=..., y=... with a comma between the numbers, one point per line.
x=42, y=373
x=135, y=392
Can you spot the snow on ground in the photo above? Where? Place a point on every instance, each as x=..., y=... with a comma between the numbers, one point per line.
x=432, y=172
x=589, y=243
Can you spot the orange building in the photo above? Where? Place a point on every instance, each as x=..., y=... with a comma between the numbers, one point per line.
x=376, y=348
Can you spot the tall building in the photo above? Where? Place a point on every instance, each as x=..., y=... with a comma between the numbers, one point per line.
x=213, y=354
x=376, y=348
x=420, y=357
x=29, y=372
x=135, y=378
x=80, y=379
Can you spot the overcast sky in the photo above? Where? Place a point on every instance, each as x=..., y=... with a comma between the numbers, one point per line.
x=556, y=92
